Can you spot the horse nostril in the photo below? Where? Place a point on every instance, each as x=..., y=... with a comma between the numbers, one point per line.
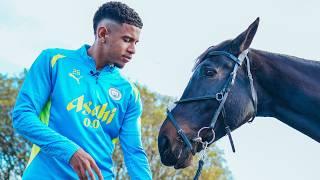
x=163, y=143
x=167, y=157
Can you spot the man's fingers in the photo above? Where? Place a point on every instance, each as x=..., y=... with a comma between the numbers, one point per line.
x=83, y=163
x=82, y=172
x=78, y=172
x=88, y=168
x=96, y=169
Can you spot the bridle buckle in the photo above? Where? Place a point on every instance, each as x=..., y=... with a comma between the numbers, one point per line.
x=219, y=96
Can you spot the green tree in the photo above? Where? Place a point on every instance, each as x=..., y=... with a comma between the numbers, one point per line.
x=13, y=149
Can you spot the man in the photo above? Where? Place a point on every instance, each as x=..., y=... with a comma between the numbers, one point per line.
x=74, y=104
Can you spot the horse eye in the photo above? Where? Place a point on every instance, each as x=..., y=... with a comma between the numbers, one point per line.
x=210, y=72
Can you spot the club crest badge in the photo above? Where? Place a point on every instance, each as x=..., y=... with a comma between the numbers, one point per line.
x=115, y=94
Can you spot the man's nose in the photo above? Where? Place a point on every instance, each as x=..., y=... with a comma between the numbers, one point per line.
x=132, y=48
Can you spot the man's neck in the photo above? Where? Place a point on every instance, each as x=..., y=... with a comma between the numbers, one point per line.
x=95, y=53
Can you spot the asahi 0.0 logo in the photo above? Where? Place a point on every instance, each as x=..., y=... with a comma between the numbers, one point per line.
x=115, y=94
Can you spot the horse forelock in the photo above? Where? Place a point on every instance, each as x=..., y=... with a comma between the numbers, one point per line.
x=224, y=46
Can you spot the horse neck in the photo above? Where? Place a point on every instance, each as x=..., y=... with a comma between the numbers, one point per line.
x=288, y=89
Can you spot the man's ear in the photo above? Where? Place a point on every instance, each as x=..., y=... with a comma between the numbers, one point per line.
x=243, y=41
x=102, y=33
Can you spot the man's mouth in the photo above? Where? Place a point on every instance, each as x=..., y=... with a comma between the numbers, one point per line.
x=126, y=58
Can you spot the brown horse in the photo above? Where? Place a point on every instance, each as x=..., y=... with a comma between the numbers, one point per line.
x=232, y=84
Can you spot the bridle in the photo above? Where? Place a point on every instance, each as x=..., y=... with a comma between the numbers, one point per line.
x=221, y=97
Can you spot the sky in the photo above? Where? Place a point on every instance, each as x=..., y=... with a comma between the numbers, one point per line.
x=174, y=34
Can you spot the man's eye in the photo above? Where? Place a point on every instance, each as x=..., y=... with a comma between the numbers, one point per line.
x=126, y=40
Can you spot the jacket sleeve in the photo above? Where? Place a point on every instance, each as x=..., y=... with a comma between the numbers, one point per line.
x=130, y=139
x=32, y=98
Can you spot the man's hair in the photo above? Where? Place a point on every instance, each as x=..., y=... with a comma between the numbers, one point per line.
x=118, y=12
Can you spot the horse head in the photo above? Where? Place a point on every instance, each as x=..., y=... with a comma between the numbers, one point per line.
x=198, y=117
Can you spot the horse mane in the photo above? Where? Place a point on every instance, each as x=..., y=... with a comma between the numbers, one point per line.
x=288, y=57
x=225, y=46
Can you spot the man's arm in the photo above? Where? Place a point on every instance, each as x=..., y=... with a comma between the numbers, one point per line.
x=130, y=139
x=34, y=94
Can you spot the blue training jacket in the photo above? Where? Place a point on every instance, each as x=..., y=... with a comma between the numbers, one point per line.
x=65, y=104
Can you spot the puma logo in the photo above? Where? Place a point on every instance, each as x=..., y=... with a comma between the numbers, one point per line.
x=76, y=75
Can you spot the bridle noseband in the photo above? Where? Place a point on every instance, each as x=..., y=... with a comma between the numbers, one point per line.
x=221, y=97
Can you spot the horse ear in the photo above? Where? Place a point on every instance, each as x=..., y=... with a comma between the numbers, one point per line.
x=243, y=41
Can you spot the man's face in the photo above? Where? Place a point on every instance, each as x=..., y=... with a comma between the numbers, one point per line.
x=120, y=44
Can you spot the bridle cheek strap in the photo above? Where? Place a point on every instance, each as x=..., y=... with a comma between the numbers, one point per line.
x=180, y=132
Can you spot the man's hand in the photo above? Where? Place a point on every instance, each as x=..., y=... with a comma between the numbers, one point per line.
x=82, y=162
